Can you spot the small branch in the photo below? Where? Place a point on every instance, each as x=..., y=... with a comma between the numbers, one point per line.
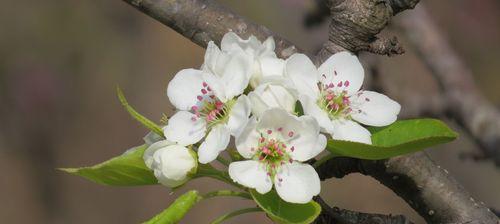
x=204, y=20
x=235, y=213
x=465, y=102
x=341, y=216
x=427, y=188
x=226, y=193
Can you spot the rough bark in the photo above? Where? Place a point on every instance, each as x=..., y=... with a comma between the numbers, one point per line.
x=202, y=21
x=427, y=188
x=465, y=102
x=355, y=24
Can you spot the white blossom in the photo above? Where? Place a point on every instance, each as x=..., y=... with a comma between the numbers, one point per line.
x=275, y=146
x=210, y=101
x=332, y=94
x=171, y=163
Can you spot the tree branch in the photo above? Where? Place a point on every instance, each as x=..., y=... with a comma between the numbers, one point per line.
x=427, y=188
x=204, y=20
x=465, y=102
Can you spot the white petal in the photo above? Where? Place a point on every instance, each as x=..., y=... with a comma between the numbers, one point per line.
x=238, y=116
x=271, y=66
x=347, y=68
x=248, y=139
x=350, y=131
x=184, y=129
x=269, y=44
x=211, y=56
x=236, y=73
x=311, y=108
x=268, y=96
x=216, y=141
x=217, y=86
x=300, y=69
x=280, y=124
x=149, y=152
x=297, y=183
x=231, y=42
x=251, y=174
x=172, y=165
x=308, y=142
x=184, y=88
x=374, y=109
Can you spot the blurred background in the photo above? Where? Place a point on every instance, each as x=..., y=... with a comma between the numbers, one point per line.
x=60, y=62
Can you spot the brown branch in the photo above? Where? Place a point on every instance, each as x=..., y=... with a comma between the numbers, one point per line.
x=426, y=187
x=204, y=20
x=465, y=102
x=342, y=216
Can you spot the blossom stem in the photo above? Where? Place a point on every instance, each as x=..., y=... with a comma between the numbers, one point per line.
x=324, y=159
x=206, y=170
x=235, y=213
x=212, y=194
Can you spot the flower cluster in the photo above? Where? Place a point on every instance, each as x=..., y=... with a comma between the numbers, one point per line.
x=245, y=91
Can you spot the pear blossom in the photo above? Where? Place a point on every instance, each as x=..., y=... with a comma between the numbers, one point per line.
x=171, y=163
x=332, y=94
x=266, y=64
x=210, y=102
x=275, y=146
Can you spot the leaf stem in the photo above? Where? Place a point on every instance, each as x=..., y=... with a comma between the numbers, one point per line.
x=235, y=213
x=136, y=115
x=227, y=193
x=206, y=170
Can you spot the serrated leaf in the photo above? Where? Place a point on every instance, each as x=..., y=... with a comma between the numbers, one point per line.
x=177, y=210
x=124, y=170
x=284, y=212
x=137, y=116
x=400, y=138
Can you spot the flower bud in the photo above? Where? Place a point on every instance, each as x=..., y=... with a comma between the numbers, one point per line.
x=172, y=164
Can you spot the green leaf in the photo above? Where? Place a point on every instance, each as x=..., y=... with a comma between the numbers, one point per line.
x=177, y=210
x=284, y=212
x=400, y=138
x=137, y=116
x=125, y=170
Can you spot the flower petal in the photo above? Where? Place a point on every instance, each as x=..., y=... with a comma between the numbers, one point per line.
x=297, y=183
x=231, y=41
x=215, y=142
x=149, y=152
x=172, y=165
x=236, y=72
x=216, y=85
x=279, y=124
x=248, y=139
x=350, y=131
x=311, y=108
x=251, y=174
x=342, y=67
x=374, y=109
x=307, y=142
x=238, y=117
x=183, y=89
x=268, y=96
x=304, y=75
x=184, y=128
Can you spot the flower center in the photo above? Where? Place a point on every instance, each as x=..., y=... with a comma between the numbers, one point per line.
x=334, y=100
x=272, y=152
x=210, y=108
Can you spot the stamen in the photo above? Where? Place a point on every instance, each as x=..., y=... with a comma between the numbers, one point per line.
x=269, y=132
x=205, y=84
x=200, y=98
x=346, y=83
x=290, y=134
x=203, y=91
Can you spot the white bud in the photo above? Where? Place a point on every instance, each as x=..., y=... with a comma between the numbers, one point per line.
x=172, y=164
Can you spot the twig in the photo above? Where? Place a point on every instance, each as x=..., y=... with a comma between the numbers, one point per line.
x=427, y=188
x=465, y=102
